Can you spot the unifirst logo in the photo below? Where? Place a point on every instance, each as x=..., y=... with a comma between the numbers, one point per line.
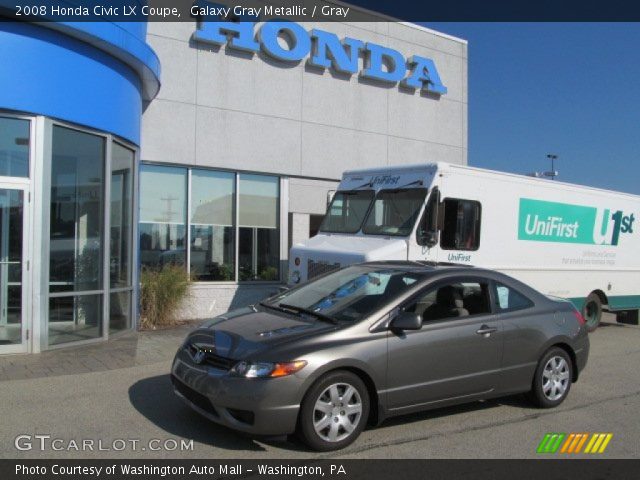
x=551, y=226
x=544, y=221
x=611, y=226
x=384, y=180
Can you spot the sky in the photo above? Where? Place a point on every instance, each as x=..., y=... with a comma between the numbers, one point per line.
x=569, y=89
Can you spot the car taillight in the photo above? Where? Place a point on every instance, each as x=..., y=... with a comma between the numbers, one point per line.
x=579, y=316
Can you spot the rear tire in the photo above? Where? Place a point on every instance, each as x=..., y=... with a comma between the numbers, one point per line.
x=552, y=380
x=592, y=311
x=334, y=411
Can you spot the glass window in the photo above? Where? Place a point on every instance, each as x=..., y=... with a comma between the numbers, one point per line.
x=212, y=225
x=14, y=147
x=453, y=300
x=77, y=206
x=11, y=242
x=259, y=235
x=163, y=212
x=121, y=215
x=76, y=235
x=394, y=212
x=510, y=299
x=461, y=229
x=74, y=318
x=350, y=294
x=347, y=211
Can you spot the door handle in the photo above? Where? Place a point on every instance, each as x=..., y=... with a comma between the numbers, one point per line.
x=486, y=330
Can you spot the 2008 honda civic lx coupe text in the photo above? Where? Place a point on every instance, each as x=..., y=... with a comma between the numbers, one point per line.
x=375, y=340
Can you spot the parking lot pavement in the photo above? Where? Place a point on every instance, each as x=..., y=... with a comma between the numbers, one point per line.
x=136, y=402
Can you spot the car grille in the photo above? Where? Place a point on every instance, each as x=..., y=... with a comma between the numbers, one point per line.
x=315, y=269
x=212, y=359
x=194, y=397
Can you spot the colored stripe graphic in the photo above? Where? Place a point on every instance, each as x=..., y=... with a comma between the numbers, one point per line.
x=572, y=443
x=598, y=443
x=551, y=442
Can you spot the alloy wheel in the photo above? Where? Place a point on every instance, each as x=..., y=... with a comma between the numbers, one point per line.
x=555, y=378
x=337, y=412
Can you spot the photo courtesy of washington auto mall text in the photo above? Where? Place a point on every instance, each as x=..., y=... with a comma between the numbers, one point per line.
x=339, y=239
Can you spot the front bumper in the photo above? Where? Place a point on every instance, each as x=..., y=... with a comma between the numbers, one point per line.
x=259, y=406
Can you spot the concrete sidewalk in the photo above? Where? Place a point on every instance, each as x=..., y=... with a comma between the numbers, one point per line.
x=126, y=350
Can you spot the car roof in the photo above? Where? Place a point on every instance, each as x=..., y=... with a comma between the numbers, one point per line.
x=438, y=267
x=424, y=266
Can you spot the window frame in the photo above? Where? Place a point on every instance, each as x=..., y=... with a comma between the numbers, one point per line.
x=234, y=226
x=186, y=199
x=47, y=124
x=441, y=230
x=23, y=180
x=437, y=284
x=281, y=227
x=237, y=227
x=496, y=299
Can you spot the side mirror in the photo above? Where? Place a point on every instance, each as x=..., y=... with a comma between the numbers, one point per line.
x=407, y=321
x=428, y=239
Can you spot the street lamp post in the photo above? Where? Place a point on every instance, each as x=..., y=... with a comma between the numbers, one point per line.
x=553, y=173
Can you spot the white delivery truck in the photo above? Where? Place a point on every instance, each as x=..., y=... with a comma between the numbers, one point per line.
x=566, y=240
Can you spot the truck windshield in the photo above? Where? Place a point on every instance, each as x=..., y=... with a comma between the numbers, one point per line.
x=394, y=212
x=347, y=211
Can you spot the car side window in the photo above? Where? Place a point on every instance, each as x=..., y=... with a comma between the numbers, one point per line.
x=460, y=299
x=508, y=299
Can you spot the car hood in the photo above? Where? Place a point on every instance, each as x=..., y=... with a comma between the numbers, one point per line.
x=246, y=332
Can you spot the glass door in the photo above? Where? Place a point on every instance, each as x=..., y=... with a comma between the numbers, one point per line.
x=13, y=328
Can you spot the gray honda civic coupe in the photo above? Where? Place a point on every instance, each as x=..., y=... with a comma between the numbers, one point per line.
x=376, y=340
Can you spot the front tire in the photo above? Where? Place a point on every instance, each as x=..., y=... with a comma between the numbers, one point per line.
x=334, y=411
x=592, y=311
x=552, y=380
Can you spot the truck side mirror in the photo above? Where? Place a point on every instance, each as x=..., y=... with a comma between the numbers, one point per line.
x=427, y=238
x=431, y=239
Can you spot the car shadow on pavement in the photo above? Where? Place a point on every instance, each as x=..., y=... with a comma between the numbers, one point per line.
x=153, y=397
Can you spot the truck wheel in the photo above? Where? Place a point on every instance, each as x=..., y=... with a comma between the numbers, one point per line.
x=592, y=311
x=334, y=412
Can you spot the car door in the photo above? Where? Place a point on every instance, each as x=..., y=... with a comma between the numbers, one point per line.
x=456, y=354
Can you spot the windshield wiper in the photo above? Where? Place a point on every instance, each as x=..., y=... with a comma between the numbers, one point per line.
x=273, y=307
x=318, y=315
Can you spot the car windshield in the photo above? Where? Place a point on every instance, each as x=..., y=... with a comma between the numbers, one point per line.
x=394, y=212
x=350, y=294
x=347, y=211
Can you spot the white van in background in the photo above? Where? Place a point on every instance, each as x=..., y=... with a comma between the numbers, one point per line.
x=565, y=240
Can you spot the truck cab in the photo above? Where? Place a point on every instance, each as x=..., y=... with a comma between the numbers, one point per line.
x=381, y=214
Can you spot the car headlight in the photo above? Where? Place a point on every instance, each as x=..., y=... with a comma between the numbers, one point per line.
x=295, y=276
x=266, y=369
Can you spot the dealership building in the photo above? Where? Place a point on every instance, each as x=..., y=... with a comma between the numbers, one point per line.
x=212, y=145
